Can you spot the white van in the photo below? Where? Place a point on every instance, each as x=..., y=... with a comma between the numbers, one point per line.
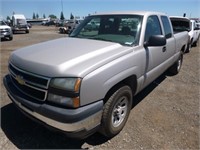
x=19, y=23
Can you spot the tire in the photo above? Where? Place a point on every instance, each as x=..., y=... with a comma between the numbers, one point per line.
x=10, y=38
x=27, y=31
x=189, y=46
x=195, y=44
x=176, y=67
x=116, y=111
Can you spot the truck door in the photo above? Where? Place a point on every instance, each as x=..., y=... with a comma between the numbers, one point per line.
x=156, y=56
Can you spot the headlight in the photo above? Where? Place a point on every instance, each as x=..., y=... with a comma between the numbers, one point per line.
x=64, y=101
x=65, y=91
x=68, y=84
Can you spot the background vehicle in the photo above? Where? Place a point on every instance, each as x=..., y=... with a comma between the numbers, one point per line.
x=5, y=31
x=49, y=23
x=19, y=23
x=183, y=23
x=90, y=82
x=180, y=24
x=194, y=33
x=69, y=26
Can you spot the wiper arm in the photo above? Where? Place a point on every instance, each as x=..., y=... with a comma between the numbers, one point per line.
x=98, y=38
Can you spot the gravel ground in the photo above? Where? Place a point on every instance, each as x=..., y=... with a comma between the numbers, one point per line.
x=165, y=114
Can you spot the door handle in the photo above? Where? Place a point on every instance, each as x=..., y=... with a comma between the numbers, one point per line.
x=164, y=49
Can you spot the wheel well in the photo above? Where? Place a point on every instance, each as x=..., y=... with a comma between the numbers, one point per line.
x=183, y=48
x=130, y=81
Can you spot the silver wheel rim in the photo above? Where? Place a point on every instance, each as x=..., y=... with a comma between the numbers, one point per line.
x=120, y=111
x=179, y=64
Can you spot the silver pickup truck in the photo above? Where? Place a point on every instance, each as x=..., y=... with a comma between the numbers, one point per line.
x=87, y=81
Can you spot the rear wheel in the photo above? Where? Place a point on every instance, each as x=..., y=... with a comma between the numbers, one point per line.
x=176, y=67
x=189, y=46
x=116, y=111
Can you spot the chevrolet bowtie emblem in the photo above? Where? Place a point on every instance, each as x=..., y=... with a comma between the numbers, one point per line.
x=20, y=80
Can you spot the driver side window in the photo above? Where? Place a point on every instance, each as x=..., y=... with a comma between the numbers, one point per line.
x=153, y=27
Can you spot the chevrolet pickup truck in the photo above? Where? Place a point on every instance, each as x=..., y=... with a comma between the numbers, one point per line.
x=86, y=82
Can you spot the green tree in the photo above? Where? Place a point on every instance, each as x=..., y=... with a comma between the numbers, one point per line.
x=8, y=18
x=44, y=16
x=62, y=16
x=71, y=16
x=34, y=17
x=52, y=16
x=37, y=16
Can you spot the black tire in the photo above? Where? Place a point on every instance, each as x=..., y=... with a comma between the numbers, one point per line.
x=176, y=67
x=116, y=111
x=195, y=44
x=189, y=46
x=10, y=38
x=27, y=31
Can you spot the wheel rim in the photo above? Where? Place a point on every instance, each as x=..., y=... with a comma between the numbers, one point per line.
x=179, y=64
x=120, y=111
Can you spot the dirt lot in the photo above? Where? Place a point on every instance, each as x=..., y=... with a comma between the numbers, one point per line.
x=165, y=115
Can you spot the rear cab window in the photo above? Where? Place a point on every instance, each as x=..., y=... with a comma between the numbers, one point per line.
x=167, y=27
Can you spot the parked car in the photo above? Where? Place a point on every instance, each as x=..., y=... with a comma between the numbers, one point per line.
x=69, y=26
x=49, y=23
x=5, y=31
x=87, y=81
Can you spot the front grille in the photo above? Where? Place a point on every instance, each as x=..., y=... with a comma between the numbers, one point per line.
x=4, y=30
x=30, y=84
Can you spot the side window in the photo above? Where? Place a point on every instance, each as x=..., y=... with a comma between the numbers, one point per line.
x=153, y=27
x=167, y=27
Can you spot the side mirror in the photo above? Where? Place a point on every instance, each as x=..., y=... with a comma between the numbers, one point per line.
x=156, y=40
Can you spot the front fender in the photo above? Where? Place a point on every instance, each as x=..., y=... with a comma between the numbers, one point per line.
x=96, y=84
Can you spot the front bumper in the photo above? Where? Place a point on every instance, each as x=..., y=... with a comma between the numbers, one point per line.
x=71, y=121
x=6, y=34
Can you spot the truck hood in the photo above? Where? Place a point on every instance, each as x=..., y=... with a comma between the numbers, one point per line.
x=4, y=27
x=71, y=57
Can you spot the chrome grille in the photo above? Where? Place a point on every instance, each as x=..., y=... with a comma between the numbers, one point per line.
x=30, y=84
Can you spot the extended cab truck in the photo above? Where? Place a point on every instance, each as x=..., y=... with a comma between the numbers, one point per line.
x=86, y=82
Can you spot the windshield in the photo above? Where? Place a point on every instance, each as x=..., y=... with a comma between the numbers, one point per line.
x=2, y=23
x=123, y=29
x=21, y=21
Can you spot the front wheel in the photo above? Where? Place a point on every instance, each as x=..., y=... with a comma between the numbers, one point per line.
x=116, y=111
x=176, y=67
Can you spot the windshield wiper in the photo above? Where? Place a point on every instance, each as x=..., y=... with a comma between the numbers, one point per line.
x=99, y=38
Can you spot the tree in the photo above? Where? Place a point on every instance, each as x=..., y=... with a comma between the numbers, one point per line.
x=62, y=16
x=71, y=16
x=37, y=16
x=44, y=16
x=34, y=17
x=52, y=16
x=8, y=18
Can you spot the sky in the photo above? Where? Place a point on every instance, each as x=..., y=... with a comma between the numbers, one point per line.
x=82, y=8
